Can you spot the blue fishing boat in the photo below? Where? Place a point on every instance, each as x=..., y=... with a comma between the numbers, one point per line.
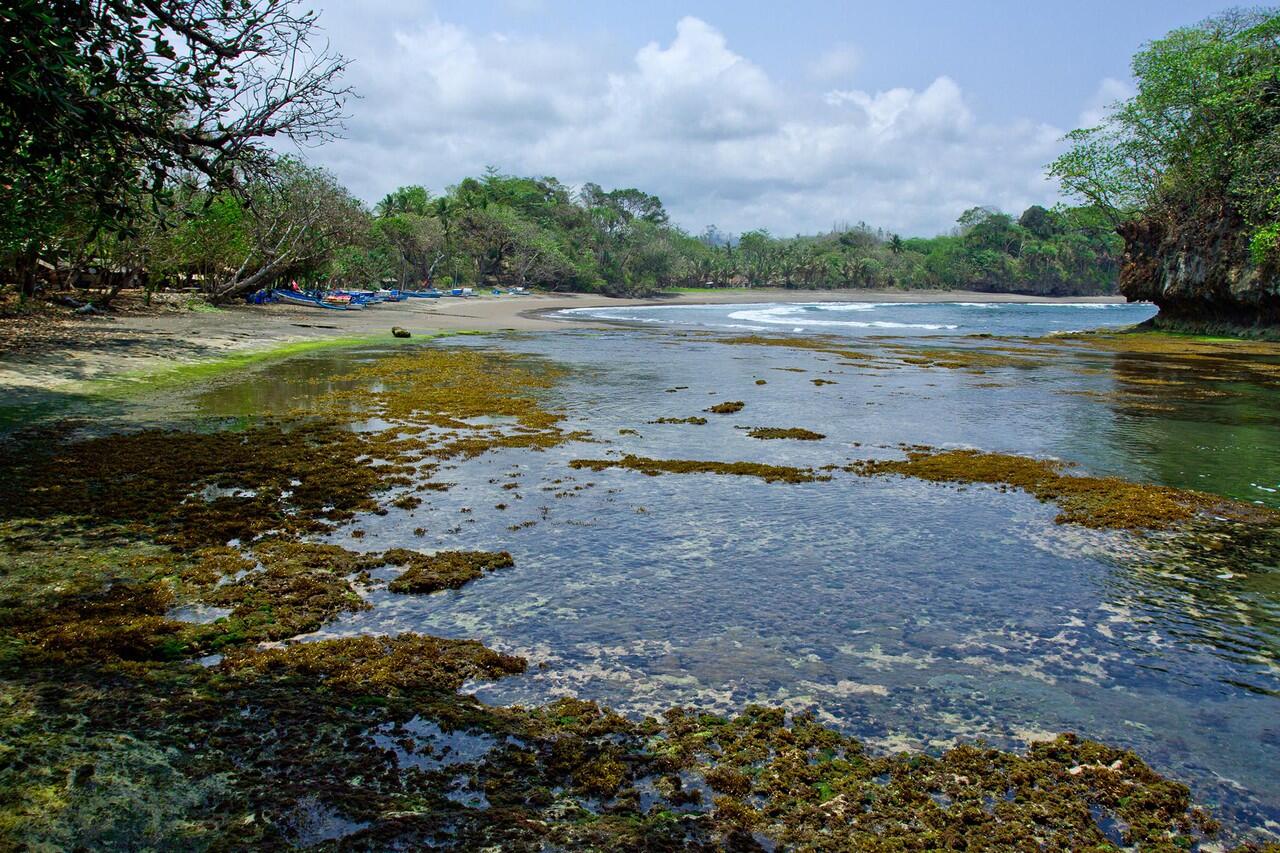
x=296, y=298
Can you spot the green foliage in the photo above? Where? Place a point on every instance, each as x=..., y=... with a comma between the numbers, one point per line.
x=1202, y=131
x=108, y=110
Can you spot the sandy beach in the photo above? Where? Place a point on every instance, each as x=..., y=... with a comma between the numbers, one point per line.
x=95, y=347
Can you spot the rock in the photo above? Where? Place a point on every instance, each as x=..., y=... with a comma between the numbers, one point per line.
x=1196, y=266
x=400, y=333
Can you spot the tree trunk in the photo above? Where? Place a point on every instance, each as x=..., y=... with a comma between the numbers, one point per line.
x=25, y=267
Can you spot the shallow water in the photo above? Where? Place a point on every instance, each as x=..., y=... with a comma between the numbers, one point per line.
x=910, y=614
x=880, y=318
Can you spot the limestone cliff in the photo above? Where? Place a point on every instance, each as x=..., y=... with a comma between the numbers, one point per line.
x=1195, y=265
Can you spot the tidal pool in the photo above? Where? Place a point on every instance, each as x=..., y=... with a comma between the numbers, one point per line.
x=911, y=614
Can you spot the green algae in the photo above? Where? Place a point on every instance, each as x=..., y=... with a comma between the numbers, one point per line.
x=796, y=433
x=134, y=383
x=425, y=573
x=300, y=587
x=1099, y=502
x=655, y=467
x=727, y=408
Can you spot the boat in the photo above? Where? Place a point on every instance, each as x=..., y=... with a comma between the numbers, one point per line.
x=422, y=294
x=296, y=298
x=361, y=297
x=342, y=300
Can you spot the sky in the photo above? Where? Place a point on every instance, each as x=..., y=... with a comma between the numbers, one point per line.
x=796, y=117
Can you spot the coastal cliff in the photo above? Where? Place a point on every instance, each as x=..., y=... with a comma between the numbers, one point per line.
x=1196, y=266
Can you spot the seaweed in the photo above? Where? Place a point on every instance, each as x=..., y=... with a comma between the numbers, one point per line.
x=654, y=467
x=111, y=737
x=378, y=665
x=796, y=433
x=695, y=420
x=727, y=408
x=443, y=570
x=1099, y=502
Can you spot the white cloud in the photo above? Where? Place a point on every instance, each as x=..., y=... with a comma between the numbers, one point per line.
x=1109, y=91
x=837, y=63
x=691, y=120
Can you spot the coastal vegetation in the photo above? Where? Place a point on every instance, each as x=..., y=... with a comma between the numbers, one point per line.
x=1188, y=170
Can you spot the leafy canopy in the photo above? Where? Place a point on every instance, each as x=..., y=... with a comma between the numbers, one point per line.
x=1203, y=125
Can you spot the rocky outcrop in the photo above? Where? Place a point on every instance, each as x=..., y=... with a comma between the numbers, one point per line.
x=1197, y=268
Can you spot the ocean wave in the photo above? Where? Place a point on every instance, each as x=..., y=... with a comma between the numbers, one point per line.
x=794, y=319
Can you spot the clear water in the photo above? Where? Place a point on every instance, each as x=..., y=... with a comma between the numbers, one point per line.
x=882, y=318
x=911, y=614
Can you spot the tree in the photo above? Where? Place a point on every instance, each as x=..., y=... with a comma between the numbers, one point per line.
x=300, y=218
x=413, y=199
x=1202, y=129
x=110, y=103
x=1040, y=222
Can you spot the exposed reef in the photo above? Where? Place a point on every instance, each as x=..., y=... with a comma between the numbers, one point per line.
x=442, y=570
x=695, y=420
x=796, y=433
x=655, y=467
x=1099, y=502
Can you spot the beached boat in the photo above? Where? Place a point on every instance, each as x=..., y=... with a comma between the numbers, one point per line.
x=297, y=298
x=422, y=294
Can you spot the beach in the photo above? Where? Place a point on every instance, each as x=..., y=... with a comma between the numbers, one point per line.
x=94, y=347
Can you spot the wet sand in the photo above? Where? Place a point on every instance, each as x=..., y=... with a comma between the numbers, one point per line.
x=103, y=346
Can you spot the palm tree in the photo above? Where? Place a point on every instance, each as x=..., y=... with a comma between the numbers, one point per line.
x=896, y=245
x=443, y=209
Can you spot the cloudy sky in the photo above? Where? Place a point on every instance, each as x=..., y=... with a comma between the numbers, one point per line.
x=792, y=116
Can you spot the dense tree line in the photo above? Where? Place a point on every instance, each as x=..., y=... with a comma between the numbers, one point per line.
x=297, y=223
x=134, y=153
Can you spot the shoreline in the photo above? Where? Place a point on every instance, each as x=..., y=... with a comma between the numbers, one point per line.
x=74, y=351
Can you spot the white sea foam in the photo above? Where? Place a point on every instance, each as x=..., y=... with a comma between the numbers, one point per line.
x=801, y=317
x=788, y=315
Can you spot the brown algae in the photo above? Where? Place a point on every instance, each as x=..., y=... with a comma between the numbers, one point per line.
x=1099, y=502
x=426, y=573
x=654, y=467
x=727, y=408
x=796, y=433
x=695, y=420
